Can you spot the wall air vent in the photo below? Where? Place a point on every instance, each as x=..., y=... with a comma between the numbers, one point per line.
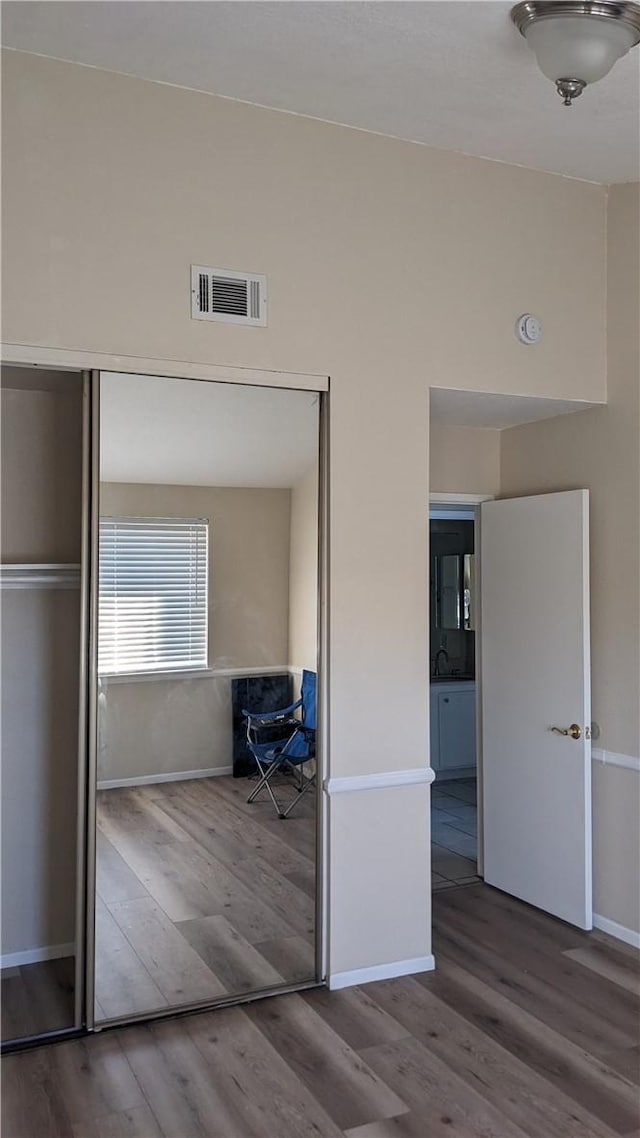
x=234, y=298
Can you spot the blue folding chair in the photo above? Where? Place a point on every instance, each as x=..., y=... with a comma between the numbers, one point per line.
x=281, y=742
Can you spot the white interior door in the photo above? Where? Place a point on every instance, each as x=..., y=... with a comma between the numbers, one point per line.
x=534, y=565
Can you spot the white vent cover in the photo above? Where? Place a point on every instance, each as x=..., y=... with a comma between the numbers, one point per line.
x=235, y=298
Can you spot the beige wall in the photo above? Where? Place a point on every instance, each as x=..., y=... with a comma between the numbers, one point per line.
x=159, y=727
x=187, y=722
x=40, y=638
x=464, y=460
x=39, y=642
x=616, y=845
x=303, y=573
x=111, y=182
x=600, y=450
x=110, y=173
x=41, y=497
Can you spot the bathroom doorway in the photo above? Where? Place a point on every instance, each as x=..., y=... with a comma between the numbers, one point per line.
x=453, y=694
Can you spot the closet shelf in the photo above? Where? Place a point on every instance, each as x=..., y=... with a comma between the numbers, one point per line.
x=40, y=576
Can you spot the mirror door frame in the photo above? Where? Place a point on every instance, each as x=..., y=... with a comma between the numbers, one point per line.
x=90, y=364
x=92, y=757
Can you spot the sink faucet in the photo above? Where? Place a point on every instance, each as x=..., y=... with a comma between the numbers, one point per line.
x=436, y=662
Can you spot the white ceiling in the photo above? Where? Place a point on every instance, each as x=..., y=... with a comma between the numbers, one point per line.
x=455, y=75
x=182, y=433
x=482, y=409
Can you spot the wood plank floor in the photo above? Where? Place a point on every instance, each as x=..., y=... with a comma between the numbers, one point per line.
x=36, y=998
x=527, y=1027
x=199, y=894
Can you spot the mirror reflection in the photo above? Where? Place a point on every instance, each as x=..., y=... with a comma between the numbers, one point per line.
x=207, y=661
x=452, y=599
x=454, y=588
x=468, y=591
x=449, y=593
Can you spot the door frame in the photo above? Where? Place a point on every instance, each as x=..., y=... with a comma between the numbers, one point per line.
x=89, y=364
x=440, y=499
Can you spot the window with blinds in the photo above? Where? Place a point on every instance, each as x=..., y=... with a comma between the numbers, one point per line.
x=152, y=602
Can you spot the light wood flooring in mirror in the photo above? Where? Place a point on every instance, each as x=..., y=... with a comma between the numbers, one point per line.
x=200, y=895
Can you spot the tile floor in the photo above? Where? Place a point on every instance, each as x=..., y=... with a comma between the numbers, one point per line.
x=453, y=833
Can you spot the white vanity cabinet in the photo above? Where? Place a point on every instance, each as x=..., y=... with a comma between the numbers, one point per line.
x=453, y=728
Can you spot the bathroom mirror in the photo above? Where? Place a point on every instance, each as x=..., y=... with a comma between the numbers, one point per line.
x=468, y=591
x=449, y=593
x=207, y=607
x=454, y=574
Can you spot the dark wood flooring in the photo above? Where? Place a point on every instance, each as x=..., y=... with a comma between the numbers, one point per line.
x=200, y=895
x=527, y=1027
x=37, y=998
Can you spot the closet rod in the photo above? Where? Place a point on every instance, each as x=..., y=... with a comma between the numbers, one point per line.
x=42, y=576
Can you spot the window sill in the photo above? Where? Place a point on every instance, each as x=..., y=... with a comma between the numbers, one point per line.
x=194, y=674
x=150, y=677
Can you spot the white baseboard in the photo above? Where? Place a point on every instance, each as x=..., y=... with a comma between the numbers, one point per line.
x=36, y=955
x=173, y=776
x=381, y=972
x=629, y=936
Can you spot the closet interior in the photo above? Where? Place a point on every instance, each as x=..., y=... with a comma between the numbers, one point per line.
x=40, y=599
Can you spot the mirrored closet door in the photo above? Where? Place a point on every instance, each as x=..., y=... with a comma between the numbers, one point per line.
x=206, y=603
x=41, y=701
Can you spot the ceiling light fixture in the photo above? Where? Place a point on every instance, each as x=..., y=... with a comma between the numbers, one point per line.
x=577, y=43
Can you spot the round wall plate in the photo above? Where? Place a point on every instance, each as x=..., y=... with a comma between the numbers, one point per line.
x=528, y=329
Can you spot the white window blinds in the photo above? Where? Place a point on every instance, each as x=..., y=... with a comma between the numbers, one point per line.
x=153, y=581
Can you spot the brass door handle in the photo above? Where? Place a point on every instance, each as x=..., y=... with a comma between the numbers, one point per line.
x=574, y=731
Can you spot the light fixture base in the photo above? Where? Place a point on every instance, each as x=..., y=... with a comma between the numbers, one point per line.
x=569, y=89
x=527, y=13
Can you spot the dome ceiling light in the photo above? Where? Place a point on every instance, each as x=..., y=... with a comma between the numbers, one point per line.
x=576, y=44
